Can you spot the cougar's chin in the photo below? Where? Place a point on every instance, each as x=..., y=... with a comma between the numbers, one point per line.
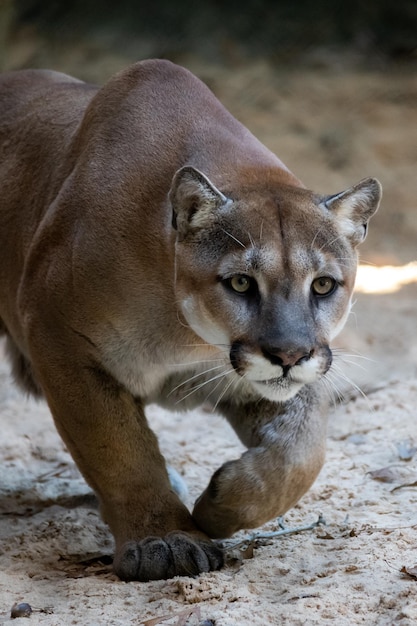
x=277, y=389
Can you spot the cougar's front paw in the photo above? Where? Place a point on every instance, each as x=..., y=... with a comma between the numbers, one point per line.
x=176, y=554
x=215, y=520
x=223, y=507
x=237, y=496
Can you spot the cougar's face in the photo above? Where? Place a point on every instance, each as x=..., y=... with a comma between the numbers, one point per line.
x=268, y=282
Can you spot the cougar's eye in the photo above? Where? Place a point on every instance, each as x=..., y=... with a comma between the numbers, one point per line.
x=323, y=286
x=241, y=283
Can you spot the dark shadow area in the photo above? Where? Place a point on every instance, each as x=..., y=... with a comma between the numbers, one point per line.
x=227, y=30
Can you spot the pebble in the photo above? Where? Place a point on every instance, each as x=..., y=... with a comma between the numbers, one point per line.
x=21, y=609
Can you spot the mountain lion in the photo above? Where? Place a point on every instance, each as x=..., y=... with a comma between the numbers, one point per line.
x=152, y=250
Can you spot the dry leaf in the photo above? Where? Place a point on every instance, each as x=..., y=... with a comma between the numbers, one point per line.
x=236, y=556
x=385, y=475
x=248, y=552
x=304, y=596
x=325, y=535
x=409, y=571
x=241, y=552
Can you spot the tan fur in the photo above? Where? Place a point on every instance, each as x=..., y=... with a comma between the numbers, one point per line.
x=132, y=220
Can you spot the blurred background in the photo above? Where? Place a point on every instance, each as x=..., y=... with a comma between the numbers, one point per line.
x=328, y=85
x=222, y=30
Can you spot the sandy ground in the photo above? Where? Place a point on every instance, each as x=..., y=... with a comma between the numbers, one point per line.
x=332, y=125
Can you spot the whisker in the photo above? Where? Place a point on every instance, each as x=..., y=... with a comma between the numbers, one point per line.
x=329, y=243
x=233, y=237
x=354, y=385
x=252, y=243
x=188, y=380
x=203, y=384
x=333, y=378
x=261, y=231
x=356, y=355
x=344, y=358
x=218, y=350
x=315, y=237
x=364, y=262
x=354, y=316
x=331, y=389
x=343, y=264
x=186, y=363
x=227, y=387
x=213, y=390
x=207, y=345
x=355, y=364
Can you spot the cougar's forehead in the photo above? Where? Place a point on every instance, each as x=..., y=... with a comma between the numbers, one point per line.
x=293, y=239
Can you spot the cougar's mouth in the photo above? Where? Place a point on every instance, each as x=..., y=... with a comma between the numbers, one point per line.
x=279, y=380
x=277, y=389
x=282, y=382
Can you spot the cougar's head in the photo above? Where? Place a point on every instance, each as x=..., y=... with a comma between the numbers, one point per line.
x=267, y=272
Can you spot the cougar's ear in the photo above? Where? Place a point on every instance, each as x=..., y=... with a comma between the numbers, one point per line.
x=194, y=200
x=354, y=207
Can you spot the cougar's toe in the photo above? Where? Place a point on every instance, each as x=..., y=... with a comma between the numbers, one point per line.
x=177, y=554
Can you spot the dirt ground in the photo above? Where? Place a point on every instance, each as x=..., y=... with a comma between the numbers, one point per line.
x=332, y=124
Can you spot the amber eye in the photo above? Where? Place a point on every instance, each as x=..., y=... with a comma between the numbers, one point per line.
x=240, y=283
x=323, y=286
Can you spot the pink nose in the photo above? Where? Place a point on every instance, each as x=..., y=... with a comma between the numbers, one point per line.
x=287, y=358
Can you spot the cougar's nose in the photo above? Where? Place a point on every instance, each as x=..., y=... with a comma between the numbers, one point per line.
x=287, y=358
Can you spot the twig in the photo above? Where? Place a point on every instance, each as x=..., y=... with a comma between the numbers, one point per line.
x=414, y=484
x=276, y=533
x=182, y=617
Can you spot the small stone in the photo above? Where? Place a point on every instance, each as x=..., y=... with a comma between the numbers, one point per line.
x=21, y=609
